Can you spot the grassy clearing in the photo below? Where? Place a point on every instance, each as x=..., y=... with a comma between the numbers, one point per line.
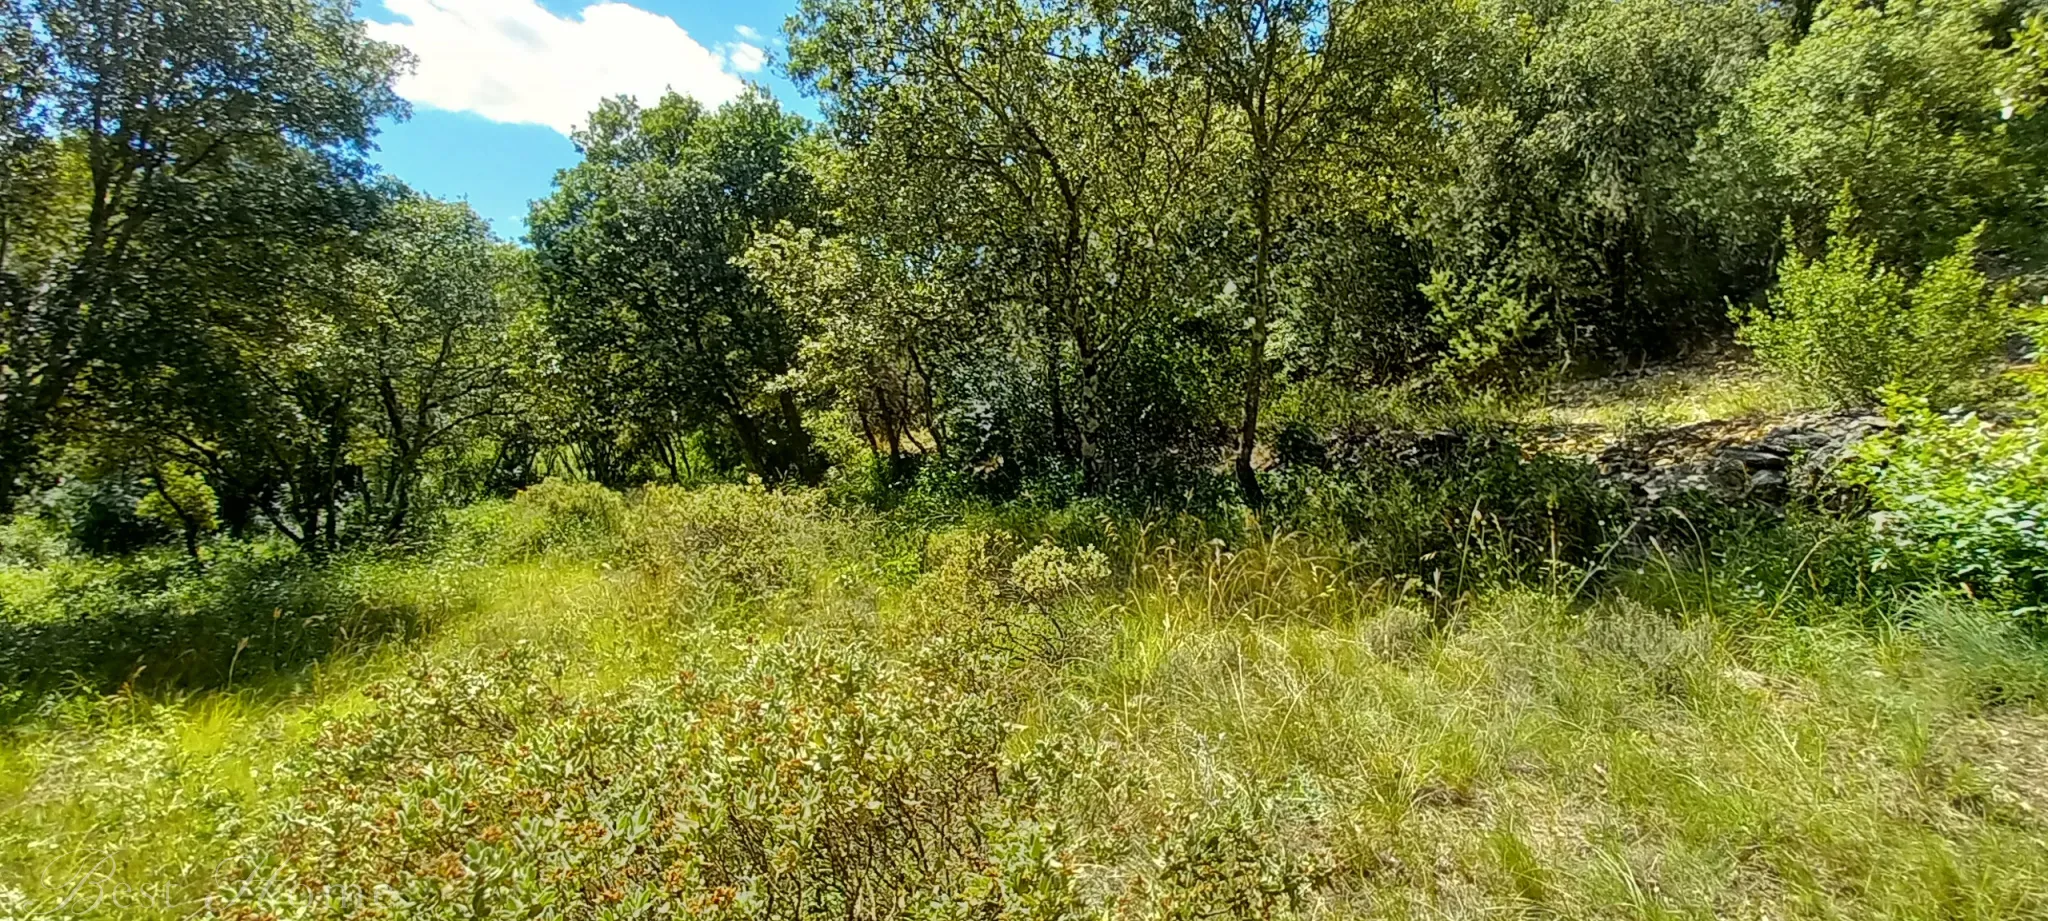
x=1655, y=398
x=1665, y=397
x=732, y=703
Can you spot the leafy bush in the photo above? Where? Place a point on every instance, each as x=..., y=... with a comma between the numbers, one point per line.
x=1049, y=574
x=1962, y=501
x=103, y=514
x=1846, y=327
x=746, y=539
x=552, y=516
x=32, y=540
x=1227, y=866
x=1475, y=513
x=1031, y=604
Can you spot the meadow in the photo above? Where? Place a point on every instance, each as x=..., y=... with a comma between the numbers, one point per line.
x=730, y=702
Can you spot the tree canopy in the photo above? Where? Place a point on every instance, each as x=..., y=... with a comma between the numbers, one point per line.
x=1034, y=247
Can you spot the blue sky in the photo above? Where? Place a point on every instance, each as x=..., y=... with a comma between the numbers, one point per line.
x=499, y=83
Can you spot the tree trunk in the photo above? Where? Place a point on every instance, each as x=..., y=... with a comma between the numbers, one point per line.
x=1255, y=348
x=930, y=394
x=1056, y=396
x=800, y=458
x=187, y=519
x=1087, y=417
x=18, y=455
x=753, y=448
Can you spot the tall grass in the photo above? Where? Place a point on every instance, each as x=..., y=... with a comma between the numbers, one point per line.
x=736, y=703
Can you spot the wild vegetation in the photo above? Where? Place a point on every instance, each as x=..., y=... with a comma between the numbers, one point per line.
x=1109, y=467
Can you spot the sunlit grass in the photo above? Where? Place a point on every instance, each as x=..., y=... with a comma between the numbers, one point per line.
x=1239, y=731
x=1671, y=397
x=127, y=806
x=1602, y=763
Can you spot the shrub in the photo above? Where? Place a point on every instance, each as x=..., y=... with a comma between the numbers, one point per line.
x=1962, y=501
x=754, y=541
x=32, y=540
x=1228, y=866
x=1475, y=513
x=1846, y=327
x=104, y=514
x=1049, y=574
x=813, y=779
x=552, y=516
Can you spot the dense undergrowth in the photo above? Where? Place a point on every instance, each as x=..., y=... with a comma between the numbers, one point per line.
x=728, y=702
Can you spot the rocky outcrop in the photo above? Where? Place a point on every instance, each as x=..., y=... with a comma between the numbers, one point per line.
x=1754, y=460
x=1733, y=461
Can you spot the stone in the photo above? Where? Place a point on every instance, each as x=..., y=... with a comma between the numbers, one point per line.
x=1756, y=458
x=1800, y=439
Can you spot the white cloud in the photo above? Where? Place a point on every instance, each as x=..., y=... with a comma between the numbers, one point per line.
x=512, y=61
x=745, y=58
x=748, y=32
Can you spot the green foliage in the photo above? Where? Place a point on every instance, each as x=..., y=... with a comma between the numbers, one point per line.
x=1571, y=211
x=104, y=514
x=1482, y=327
x=1465, y=514
x=347, y=421
x=1049, y=573
x=1805, y=564
x=550, y=516
x=653, y=323
x=1907, y=102
x=992, y=151
x=1962, y=501
x=438, y=296
x=804, y=779
x=1143, y=269
x=180, y=498
x=884, y=340
x=175, y=172
x=1846, y=326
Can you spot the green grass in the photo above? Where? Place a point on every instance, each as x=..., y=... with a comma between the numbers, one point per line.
x=1616, y=406
x=1670, y=397
x=743, y=704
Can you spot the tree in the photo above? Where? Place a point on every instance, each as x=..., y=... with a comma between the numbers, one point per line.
x=636, y=251
x=878, y=341
x=1574, y=204
x=1310, y=89
x=167, y=160
x=434, y=322
x=352, y=412
x=1905, y=102
x=1063, y=183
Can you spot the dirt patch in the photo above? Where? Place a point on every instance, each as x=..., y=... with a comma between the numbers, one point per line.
x=2008, y=755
